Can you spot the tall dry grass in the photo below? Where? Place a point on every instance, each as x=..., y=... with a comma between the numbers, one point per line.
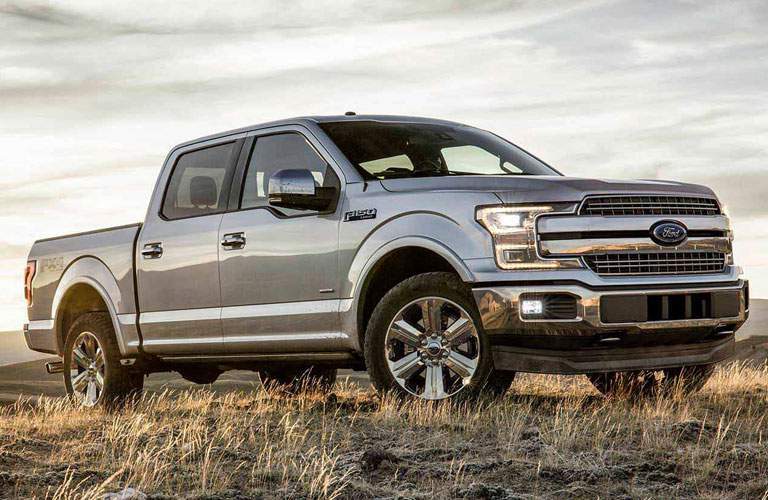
x=551, y=436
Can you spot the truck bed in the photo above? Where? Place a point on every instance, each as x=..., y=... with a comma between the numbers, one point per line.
x=107, y=253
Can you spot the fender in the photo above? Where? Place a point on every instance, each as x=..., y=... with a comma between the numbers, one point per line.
x=409, y=241
x=444, y=237
x=94, y=273
x=436, y=232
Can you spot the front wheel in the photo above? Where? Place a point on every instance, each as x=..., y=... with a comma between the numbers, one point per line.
x=93, y=374
x=687, y=380
x=425, y=340
x=297, y=379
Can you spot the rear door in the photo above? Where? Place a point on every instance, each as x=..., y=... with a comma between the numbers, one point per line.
x=177, y=257
x=280, y=288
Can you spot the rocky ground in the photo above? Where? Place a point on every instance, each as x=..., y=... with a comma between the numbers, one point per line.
x=551, y=437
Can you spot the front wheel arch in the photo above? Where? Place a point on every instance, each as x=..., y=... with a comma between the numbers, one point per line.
x=391, y=268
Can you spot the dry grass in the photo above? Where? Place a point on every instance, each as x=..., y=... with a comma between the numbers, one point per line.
x=550, y=437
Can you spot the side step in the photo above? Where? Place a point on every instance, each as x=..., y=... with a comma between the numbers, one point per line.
x=54, y=367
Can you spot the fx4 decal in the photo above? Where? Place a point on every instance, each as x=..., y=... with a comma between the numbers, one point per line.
x=368, y=213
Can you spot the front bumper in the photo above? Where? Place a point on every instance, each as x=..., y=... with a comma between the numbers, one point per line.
x=595, y=341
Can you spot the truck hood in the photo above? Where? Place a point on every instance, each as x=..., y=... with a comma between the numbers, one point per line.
x=536, y=188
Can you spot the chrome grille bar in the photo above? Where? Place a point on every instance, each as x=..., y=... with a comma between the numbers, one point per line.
x=656, y=263
x=649, y=205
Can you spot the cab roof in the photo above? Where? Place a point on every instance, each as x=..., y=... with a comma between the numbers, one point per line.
x=316, y=119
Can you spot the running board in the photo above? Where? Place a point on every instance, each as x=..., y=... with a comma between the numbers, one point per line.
x=53, y=367
x=234, y=358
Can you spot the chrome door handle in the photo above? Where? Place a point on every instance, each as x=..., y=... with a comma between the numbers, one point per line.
x=233, y=241
x=152, y=251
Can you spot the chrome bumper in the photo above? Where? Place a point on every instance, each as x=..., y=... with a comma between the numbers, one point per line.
x=500, y=312
x=41, y=336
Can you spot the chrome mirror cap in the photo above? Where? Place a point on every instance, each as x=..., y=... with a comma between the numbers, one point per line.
x=297, y=189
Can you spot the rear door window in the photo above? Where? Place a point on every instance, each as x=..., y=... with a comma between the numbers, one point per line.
x=199, y=184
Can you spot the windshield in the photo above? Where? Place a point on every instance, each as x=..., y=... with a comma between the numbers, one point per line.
x=396, y=150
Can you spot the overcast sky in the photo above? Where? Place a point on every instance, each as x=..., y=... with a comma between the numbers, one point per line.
x=94, y=93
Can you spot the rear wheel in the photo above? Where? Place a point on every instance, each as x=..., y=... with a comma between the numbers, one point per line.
x=201, y=374
x=93, y=374
x=425, y=340
x=499, y=382
x=687, y=380
x=298, y=379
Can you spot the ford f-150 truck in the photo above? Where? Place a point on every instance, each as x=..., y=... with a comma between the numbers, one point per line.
x=439, y=257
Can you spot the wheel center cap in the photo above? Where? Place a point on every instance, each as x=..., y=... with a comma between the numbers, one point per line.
x=434, y=347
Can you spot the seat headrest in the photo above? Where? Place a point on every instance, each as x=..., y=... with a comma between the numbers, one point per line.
x=202, y=191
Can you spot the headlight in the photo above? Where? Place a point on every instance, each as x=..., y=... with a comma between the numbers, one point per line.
x=514, y=237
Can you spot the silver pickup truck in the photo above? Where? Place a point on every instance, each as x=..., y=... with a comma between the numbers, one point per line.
x=439, y=257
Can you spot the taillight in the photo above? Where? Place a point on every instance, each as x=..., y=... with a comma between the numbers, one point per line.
x=29, y=275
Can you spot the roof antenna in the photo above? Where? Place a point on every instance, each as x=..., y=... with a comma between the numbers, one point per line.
x=350, y=113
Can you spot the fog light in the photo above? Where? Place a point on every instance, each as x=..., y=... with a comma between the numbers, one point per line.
x=532, y=307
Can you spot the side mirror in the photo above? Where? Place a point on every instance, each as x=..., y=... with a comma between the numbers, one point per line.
x=296, y=188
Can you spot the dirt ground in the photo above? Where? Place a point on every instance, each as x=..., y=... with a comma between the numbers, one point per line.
x=550, y=437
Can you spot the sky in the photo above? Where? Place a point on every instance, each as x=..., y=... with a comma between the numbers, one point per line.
x=93, y=94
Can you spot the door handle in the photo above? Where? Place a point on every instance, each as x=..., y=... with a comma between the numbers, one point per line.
x=152, y=251
x=233, y=241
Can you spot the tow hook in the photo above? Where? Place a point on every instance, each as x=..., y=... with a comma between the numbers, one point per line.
x=54, y=367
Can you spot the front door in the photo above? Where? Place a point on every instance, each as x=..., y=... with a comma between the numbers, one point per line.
x=278, y=267
x=177, y=258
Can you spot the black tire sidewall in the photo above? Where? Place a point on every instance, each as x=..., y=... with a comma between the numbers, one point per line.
x=119, y=382
x=686, y=379
x=302, y=377
x=438, y=284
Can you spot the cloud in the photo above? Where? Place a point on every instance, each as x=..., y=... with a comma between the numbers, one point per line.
x=93, y=94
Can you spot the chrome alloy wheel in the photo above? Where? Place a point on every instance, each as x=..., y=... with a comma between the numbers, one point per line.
x=432, y=348
x=86, y=374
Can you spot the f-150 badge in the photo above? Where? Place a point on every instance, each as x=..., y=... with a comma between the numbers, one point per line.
x=368, y=213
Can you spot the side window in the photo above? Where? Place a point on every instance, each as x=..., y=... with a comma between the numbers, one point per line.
x=199, y=182
x=279, y=152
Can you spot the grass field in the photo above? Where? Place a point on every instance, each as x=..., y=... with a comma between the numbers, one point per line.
x=550, y=437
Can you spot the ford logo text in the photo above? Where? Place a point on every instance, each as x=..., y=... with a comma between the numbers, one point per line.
x=668, y=233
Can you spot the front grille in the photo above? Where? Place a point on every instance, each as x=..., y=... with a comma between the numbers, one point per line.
x=656, y=263
x=649, y=205
x=560, y=306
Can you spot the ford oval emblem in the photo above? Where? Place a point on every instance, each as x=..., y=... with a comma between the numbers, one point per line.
x=668, y=233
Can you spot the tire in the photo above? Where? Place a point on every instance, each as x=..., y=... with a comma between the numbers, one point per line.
x=203, y=375
x=299, y=379
x=624, y=384
x=499, y=382
x=93, y=375
x=427, y=331
x=687, y=380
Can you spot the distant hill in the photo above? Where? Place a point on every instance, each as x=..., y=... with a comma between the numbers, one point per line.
x=752, y=338
x=13, y=349
x=757, y=324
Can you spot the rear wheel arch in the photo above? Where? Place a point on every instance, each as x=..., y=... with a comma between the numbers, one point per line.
x=83, y=296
